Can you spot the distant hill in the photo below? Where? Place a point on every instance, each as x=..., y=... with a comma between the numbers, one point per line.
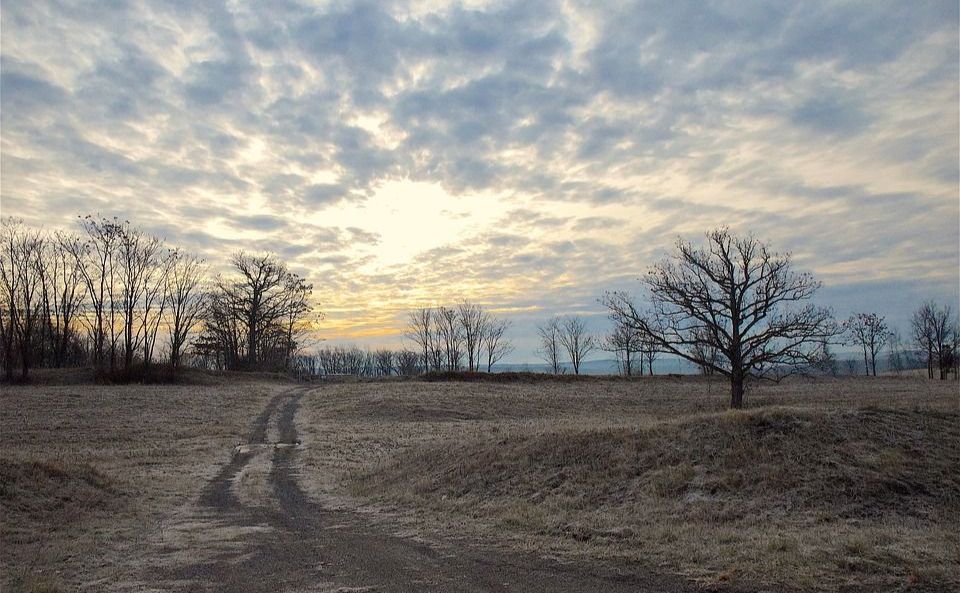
x=663, y=365
x=847, y=362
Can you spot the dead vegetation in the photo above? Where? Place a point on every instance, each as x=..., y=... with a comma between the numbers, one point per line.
x=820, y=485
x=90, y=473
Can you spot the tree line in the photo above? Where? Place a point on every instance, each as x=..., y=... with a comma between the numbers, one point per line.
x=110, y=294
x=933, y=341
x=352, y=360
x=447, y=338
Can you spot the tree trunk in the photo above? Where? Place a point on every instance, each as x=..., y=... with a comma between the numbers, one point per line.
x=736, y=391
x=252, y=342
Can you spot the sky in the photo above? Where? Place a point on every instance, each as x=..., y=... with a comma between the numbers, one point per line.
x=524, y=155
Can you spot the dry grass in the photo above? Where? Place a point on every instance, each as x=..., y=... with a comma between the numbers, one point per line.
x=89, y=473
x=820, y=485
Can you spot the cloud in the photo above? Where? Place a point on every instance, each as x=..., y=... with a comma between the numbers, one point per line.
x=23, y=93
x=573, y=141
x=830, y=115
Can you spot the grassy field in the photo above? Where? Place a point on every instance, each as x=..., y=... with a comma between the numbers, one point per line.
x=819, y=485
x=90, y=473
x=823, y=484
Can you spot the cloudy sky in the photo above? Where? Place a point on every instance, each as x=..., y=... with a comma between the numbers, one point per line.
x=527, y=155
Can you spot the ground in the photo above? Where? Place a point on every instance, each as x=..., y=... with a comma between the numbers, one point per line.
x=595, y=485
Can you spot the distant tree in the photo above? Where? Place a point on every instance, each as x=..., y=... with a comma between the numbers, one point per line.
x=137, y=262
x=851, y=366
x=408, y=363
x=935, y=332
x=252, y=318
x=473, y=321
x=550, y=346
x=495, y=341
x=96, y=253
x=826, y=363
x=10, y=296
x=705, y=350
x=576, y=341
x=870, y=332
x=63, y=295
x=21, y=280
x=649, y=352
x=384, y=362
x=625, y=343
x=185, y=299
x=445, y=335
x=735, y=294
x=450, y=332
x=420, y=331
x=896, y=355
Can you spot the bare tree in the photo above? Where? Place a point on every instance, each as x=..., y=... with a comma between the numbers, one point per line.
x=63, y=288
x=138, y=263
x=870, y=332
x=450, y=332
x=408, y=363
x=495, y=342
x=737, y=294
x=827, y=362
x=576, y=341
x=704, y=349
x=851, y=366
x=420, y=332
x=624, y=342
x=472, y=319
x=650, y=352
x=384, y=362
x=185, y=299
x=10, y=285
x=251, y=319
x=897, y=355
x=550, y=346
x=95, y=254
x=934, y=331
x=21, y=278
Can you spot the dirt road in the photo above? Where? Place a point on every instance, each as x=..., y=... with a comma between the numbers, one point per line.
x=295, y=544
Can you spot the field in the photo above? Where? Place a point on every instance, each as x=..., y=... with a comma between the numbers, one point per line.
x=819, y=485
x=92, y=476
x=829, y=485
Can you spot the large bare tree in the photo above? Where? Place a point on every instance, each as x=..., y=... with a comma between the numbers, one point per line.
x=252, y=317
x=739, y=297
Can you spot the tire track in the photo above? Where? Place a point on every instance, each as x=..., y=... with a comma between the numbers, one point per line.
x=312, y=548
